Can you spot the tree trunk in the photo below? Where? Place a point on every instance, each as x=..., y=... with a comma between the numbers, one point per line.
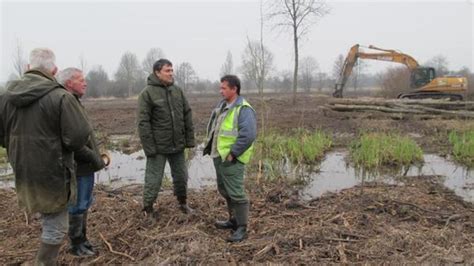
x=295, y=73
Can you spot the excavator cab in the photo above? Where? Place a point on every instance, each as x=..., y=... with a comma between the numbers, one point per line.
x=421, y=76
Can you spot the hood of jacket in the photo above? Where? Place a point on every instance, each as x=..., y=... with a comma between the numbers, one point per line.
x=30, y=88
x=153, y=80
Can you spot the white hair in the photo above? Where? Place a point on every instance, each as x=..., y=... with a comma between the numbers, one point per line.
x=43, y=58
x=67, y=74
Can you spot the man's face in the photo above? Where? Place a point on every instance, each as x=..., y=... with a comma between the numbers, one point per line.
x=227, y=92
x=165, y=74
x=77, y=84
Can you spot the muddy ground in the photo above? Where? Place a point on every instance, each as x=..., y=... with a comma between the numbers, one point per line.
x=276, y=112
x=417, y=221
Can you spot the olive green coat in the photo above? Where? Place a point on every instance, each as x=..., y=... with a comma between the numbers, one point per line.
x=41, y=126
x=88, y=158
x=164, y=119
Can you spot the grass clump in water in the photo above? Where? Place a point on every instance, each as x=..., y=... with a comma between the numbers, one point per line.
x=463, y=147
x=278, y=155
x=372, y=151
x=3, y=155
x=301, y=147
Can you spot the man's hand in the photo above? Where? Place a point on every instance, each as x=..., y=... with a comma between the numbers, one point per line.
x=230, y=157
x=106, y=158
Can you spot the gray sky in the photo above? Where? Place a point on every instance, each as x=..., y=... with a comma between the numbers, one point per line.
x=201, y=32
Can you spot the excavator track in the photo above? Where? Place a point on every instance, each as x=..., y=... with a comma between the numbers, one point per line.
x=431, y=95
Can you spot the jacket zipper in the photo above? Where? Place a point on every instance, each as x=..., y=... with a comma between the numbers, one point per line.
x=169, y=99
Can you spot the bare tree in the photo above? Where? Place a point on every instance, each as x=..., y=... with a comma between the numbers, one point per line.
x=439, y=63
x=151, y=57
x=394, y=81
x=19, y=60
x=128, y=73
x=98, y=82
x=299, y=16
x=337, y=66
x=228, y=66
x=357, y=74
x=321, y=80
x=309, y=68
x=185, y=75
x=256, y=64
x=83, y=64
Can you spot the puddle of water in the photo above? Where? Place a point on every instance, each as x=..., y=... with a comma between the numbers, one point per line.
x=130, y=169
x=457, y=178
x=6, y=176
x=335, y=175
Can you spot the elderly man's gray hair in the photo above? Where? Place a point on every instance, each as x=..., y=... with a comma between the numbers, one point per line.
x=67, y=74
x=43, y=58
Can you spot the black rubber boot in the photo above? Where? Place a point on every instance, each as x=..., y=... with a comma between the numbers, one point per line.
x=77, y=247
x=47, y=255
x=150, y=212
x=183, y=206
x=85, y=241
x=241, y=215
x=231, y=223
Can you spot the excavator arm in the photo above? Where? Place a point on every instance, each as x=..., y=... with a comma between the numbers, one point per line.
x=384, y=55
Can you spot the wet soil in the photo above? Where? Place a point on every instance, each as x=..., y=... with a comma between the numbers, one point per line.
x=419, y=222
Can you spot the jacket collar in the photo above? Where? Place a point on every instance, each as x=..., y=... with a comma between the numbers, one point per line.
x=238, y=101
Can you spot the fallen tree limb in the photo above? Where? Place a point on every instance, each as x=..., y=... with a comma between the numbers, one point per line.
x=113, y=251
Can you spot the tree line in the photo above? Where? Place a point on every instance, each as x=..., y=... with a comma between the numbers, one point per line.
x=258, y=73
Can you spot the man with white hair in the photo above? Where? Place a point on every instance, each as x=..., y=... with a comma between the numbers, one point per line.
x=41, y=125
x=88, y=160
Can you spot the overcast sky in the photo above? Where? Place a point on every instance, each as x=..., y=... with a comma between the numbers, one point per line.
x=201, y=32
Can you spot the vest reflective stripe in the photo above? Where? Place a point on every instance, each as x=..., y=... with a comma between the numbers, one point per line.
x=228, y=133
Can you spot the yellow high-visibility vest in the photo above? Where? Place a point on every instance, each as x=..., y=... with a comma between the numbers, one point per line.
x=228, y=133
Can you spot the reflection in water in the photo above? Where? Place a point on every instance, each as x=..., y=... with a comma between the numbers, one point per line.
x=333, y=174
x=130, y=169
x=336, y=175
x=456, y=178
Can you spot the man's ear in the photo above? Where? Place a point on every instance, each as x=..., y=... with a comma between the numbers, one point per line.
x=55, y=70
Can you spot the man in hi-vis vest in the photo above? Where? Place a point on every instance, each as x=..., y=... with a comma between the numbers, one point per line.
x=231, y=132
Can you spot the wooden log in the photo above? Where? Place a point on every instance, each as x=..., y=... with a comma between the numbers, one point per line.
x=348, y=108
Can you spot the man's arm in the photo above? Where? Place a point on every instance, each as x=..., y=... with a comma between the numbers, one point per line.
x=88, y=155
x=2, y=127
x=247, y=132
x=144, y=124
x=75, y=129
x=188, y=124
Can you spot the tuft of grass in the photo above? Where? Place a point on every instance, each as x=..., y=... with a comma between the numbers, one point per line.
x=463, y=147
x=301, y=147
x=3, y=155
x=373, y=151
x=275, y=152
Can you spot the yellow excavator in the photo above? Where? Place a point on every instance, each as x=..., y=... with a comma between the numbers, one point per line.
x=423, y=80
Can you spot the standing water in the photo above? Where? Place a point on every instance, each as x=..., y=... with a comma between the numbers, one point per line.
x=335, y=175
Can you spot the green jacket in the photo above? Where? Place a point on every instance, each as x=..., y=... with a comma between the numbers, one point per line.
x=88, y=158
x=41, y=126
x=164, y=119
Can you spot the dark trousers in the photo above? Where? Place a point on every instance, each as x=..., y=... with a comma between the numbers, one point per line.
x=85, y=186
x=155, y=168
x=230, y=180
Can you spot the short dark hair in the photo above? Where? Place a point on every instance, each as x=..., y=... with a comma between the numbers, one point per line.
x=233, y=81
x=158, y=65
